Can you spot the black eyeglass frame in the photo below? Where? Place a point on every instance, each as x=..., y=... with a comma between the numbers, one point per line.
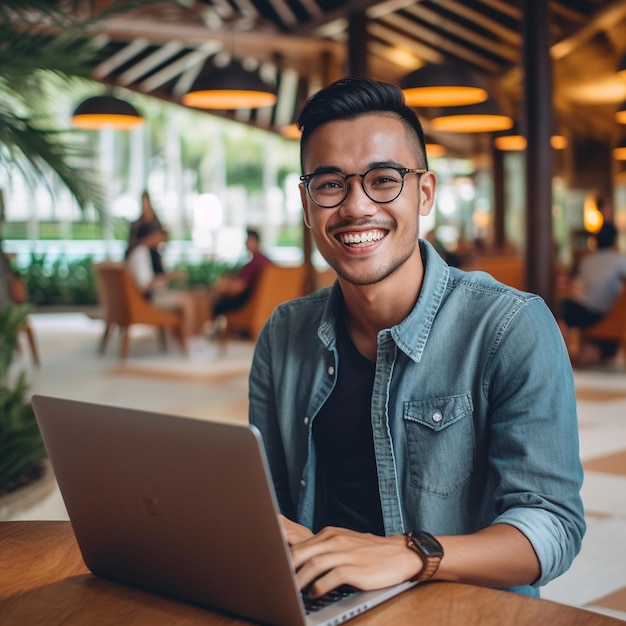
x=403, y=171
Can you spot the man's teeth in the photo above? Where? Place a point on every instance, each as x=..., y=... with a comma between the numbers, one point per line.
x=367, y=237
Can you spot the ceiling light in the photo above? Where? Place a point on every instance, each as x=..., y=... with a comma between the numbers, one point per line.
x=291, y=131
x=230, y=87
x=434, y=150
x=510, y=140
x=484, y=117
x=106, y=112
x=558, y=141
x=442, y=84
x=619, y=151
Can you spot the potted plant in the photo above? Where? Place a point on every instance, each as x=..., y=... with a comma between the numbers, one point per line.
x=21, y=447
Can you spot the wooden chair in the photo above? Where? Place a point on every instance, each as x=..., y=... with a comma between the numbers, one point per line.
x=275, y=285
x=506, y=268
x=612, y=327
x=124, y=305
x=19, y=295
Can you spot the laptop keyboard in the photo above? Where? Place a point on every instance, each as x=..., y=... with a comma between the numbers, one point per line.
x=311, y=605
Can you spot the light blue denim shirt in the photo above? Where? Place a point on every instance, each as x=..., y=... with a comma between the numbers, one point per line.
x=473, y=412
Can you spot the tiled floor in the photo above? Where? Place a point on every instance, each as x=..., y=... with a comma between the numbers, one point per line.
x=209, y=387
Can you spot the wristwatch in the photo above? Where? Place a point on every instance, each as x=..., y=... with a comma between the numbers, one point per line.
x=428, y=549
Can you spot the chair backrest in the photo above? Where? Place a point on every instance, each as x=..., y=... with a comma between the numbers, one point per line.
x=112, y=292
x=122, y=301
x=506, y=268
x=613, y=324
x=275, y=285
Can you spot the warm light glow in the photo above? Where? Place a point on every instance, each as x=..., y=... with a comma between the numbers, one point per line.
x=558, y=142
x=98, y=121
x=291, y=131
x=510, y=143
x=443, y=96
x=472, y=123
x=620, y=116
x=592, y=218
x=619, y=153
x=226, y=99
x=435, y=150
x=481, y=219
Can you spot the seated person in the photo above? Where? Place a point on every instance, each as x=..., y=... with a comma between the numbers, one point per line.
x=598, y=283
x=156, y=286
x=146, y=224
x=232, y=291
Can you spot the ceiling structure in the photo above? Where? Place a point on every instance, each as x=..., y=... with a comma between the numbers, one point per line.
x=300, y=45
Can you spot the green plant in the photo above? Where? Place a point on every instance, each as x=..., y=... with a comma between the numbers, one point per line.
x=63, y=281
x=21, y=446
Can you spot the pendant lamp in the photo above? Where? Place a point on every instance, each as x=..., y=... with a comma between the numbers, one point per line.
x=227, y=88
x=434, y=150
x=106, y=112
x=511, y=140
x=441, y=85
x=291, y=131
x=484, y=117
x=619, y=151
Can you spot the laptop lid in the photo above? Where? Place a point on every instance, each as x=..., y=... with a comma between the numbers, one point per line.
x=179, y=506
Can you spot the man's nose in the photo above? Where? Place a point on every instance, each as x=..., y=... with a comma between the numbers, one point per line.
x=357, y=202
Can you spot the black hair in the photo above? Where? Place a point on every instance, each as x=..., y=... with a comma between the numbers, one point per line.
x=351, y=97
x=251, y=232
x=606, y=235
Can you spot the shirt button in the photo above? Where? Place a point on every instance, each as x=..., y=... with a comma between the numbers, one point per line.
x=331, y=370
x=437, y=416
x=306, y=421
x=303, y=483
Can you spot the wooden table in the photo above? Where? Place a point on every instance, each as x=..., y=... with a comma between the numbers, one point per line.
x=44, y=581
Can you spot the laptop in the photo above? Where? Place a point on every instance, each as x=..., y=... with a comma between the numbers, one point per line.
x=182, y=507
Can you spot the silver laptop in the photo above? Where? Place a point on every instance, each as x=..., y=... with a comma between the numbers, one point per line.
x=182, y=507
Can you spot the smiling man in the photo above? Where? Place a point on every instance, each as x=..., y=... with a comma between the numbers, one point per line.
x=419, y=421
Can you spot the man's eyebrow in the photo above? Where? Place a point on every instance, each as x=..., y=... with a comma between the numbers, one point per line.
x=325, y=169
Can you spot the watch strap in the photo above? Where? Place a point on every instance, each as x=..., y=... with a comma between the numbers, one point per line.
x=430, y=562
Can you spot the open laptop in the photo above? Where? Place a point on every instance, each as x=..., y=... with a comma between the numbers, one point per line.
x=182, y=507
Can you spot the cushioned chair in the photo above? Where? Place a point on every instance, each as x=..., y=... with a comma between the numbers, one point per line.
x=124, y=305
x=612, y=327
x=276, y=284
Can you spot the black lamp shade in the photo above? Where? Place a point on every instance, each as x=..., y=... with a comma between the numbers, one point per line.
x=484, y=117
x=230, y=87
x=442, y=84
x=106, y=112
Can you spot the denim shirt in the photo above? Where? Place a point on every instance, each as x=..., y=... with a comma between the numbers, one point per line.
x=473, y=412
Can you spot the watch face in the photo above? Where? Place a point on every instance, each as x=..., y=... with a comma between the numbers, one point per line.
x=430, y=546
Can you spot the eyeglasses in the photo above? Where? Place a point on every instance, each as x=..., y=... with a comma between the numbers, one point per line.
x=381, y=185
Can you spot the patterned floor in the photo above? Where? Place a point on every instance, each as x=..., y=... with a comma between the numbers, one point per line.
x=215, y=386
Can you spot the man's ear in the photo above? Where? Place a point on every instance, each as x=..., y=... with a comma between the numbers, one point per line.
x=428, y=184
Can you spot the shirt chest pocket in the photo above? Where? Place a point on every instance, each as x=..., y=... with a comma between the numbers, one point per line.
x=440, y=440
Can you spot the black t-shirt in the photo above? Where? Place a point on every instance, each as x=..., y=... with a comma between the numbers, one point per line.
x=347, y=481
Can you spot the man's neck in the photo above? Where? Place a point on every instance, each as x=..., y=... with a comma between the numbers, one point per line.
x=372, y=308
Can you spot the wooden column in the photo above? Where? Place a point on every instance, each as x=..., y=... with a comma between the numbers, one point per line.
x=499, y=232
x=538, y=106
x=357, y=44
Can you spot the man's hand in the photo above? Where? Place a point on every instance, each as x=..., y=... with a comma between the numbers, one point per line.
x=294, y=533
x=336, y=556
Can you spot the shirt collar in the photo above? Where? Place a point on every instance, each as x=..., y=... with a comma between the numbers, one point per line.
x=411, y=334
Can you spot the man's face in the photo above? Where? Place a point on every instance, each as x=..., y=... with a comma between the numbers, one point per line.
x=363, y=241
